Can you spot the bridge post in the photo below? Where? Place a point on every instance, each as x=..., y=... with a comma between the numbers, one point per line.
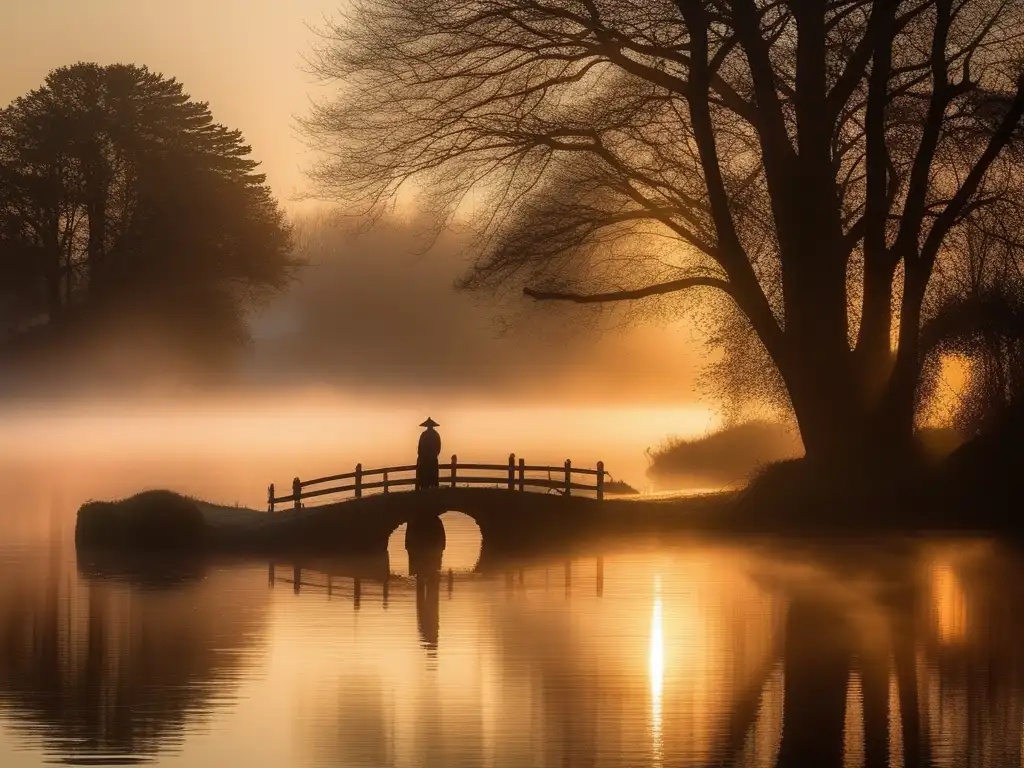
x=568, y=478
x=359, y=481
x=600, y=481
x=455, y=467
x=511, y=471
x=522, y=474
x=270, y=498
x=385, y=481
x=297, y=493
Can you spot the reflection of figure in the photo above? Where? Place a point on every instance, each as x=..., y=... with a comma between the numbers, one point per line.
x=426, y=456
x=424, y=542
x=428, y=606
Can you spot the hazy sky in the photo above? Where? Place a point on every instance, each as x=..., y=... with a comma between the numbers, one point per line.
x=242, y=56
x=245, y=57
x=370, y=312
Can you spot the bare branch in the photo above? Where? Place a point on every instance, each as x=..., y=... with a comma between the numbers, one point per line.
x=631, y=295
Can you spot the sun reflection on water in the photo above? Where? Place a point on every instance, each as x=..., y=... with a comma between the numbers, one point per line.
x=657, y=672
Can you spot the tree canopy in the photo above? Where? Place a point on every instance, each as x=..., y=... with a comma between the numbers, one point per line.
x=122, y=202
x=817, y=162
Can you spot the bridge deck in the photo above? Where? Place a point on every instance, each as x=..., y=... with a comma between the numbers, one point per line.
x=514, y=476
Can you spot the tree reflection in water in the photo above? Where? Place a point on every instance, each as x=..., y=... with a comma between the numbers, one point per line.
x=834, y=656
x=107, y=664
x=682, y=655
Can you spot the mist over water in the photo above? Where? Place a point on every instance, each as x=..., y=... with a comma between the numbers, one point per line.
x=228, y=449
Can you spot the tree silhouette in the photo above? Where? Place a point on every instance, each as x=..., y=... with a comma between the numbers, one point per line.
x=978, y=316
x=811, y=160
x=120, y=197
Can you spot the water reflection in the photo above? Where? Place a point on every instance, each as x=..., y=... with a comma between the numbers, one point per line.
x=684, y=654
x=657, y=671
x=428, y=608
x=109, y=665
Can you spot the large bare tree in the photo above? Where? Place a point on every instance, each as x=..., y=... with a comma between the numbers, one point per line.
x=812, y=160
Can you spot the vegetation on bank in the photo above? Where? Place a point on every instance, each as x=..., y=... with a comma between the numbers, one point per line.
x=151, y=520
x=722, y=457
x=620, y=488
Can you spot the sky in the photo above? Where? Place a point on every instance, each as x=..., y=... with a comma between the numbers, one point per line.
x=244, y=57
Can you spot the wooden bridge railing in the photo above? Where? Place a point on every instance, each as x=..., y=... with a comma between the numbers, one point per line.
x=515, y=476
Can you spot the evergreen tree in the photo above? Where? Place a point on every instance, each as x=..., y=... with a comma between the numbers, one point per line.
x=121, y=200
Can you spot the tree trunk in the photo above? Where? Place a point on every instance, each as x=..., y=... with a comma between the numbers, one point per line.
x=97, y=238
x=819, y=369
x=97, y=189
x=874, y=341
x=846, y=430
x=893, y=419
x=53, y=296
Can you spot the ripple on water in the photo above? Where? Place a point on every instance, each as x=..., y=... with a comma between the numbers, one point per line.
x=672, y=653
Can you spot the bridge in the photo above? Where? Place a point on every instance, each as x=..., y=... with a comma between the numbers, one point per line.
x=516, y=505
x=516, y=475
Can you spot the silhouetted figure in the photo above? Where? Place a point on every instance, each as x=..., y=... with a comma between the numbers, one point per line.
x=426, y=456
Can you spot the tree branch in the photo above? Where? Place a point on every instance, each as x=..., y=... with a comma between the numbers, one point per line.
x=998, y=141
x=629, y=295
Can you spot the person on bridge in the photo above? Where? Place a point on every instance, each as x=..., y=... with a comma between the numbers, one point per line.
x=427, y=472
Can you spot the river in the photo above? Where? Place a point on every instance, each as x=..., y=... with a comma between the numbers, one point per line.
x=679, y=651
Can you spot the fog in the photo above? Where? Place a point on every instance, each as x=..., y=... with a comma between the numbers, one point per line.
x=369, y=339
x=228, y=449
x=377, y=311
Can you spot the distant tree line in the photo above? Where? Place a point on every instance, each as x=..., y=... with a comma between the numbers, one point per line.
x=122, y=202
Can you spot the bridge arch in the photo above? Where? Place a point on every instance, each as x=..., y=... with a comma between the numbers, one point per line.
x=509, y=521
x=464, y=543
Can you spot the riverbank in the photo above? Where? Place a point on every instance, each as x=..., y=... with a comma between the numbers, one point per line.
x=164, y=520
x=781, y=502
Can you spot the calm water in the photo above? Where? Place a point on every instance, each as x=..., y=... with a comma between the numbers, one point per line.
x=679, y=652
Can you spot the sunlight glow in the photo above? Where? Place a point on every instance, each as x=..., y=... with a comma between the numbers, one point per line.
x=853, y=726
x=657, y=672
x=950, y=604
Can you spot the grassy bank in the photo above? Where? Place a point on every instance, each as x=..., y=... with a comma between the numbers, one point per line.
x=722, y=458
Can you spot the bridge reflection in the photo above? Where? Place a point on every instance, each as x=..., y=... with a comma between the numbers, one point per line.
x=346, y=578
